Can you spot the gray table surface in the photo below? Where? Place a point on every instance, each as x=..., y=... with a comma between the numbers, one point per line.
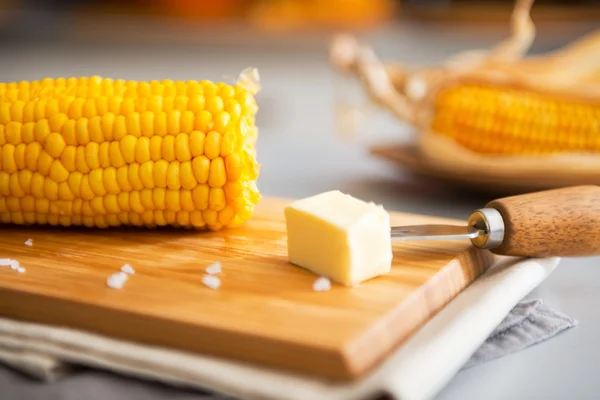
x=301, y=156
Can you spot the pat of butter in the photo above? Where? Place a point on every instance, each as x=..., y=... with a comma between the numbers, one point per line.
x=340, y=237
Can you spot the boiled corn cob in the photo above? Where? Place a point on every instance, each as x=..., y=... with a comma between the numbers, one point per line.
x=504, y=120
x=496, y=101
x=99, y=152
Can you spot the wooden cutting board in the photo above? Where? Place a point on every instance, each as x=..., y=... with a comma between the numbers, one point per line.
x=265, y=311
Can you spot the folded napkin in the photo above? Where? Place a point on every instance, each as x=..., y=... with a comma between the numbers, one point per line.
x=480, y=324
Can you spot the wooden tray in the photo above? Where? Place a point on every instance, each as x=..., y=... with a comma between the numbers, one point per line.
x=265, y=311
x=502, y=178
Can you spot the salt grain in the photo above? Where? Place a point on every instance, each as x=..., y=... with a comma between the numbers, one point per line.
x=29, y=242
x=14, y=265
x=127, y=269
x=20, y=270
x=211, y=281
x=5, y=262
x=214, y=269
x=117, y=280
x=322, y=285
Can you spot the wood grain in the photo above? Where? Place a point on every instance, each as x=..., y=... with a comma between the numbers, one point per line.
x=265, y=311
x=561, y=222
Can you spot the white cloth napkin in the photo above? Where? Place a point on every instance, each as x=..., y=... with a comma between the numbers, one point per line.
x=418, y=370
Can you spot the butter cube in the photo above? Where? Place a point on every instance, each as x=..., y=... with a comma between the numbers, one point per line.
x=338, y=236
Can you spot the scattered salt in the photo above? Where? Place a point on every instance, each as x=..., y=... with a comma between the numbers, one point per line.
x=14, y=265
x=29, y=242
x=322, y=285
x=211, y=281
x=117, y=280
x=127, y=269
x=214, y=269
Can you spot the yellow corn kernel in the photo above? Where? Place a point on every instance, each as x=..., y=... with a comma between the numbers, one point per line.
x=123, y=201
x=200, y=196
x=173, y=178
x=67, y=158
x=216, y=175
x=69, y=132
x=128, y=144
x=187, y=201
x=115, y=155
x=20, y=156
x=158, y=198
x=55, y=144
x=50, y=189
x=212, y=147
x=216, y=199
x=159, y=173
x=44, y=162
x=133, y=175
x=64, y=193
x=86, y=189
x=25, y=180
x=104, y=155
x=147, y=174
x=211, y=217
x=110, y=204
x=197, y=143
x=13, y=133
x=188, y=181
x=74, y=182
x=182, y=147
x=58, y=173
x=172, y=200
x=167, y=148
x=146, y=199
x=42, y=129
x=123, y=179
x=155, y=148
x=147, y=123
x=94, y=127
x=96, y=181
x=15, y=186
x=196, y=219
x=109, y=180
x=201, y=168
x=82, y=134
x=80, y=162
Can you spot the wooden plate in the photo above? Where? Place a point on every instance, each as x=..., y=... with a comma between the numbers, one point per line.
x=498, y=177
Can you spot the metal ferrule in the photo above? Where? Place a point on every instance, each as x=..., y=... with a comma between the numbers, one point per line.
x=491, y=222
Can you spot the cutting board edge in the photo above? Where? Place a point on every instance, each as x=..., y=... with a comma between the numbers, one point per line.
x=473, y=263
x=329, y=361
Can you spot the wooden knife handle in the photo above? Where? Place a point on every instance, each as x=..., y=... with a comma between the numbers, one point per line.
x=561, y=222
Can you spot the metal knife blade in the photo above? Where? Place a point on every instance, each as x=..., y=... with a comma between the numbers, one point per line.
x=435, y=232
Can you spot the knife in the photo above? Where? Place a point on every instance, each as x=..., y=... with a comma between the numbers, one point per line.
x=552, y=223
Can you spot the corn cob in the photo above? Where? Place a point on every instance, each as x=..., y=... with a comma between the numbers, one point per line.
x=501, y=119
x=99, y=152
x=492, y=102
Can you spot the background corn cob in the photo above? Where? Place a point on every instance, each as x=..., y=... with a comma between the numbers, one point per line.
x=496, y=101
x=103, y=152
x=500, y=119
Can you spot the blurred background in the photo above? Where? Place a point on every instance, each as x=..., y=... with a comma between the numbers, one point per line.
x=287, y=40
